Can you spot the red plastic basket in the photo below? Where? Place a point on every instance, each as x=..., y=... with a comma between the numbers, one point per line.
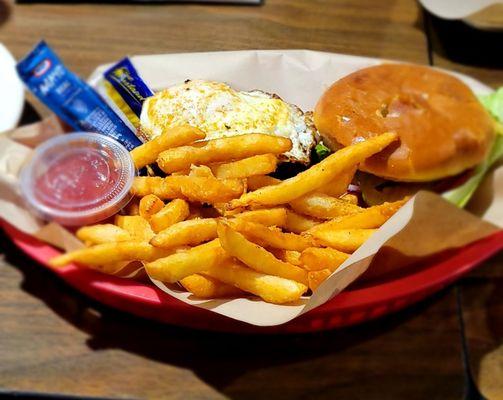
x=355, y=305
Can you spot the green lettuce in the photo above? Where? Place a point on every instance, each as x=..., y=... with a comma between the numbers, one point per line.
x=320, y=152
x=462, y=194
x=494, y=103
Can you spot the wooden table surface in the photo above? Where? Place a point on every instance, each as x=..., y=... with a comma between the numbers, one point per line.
x=55, y=340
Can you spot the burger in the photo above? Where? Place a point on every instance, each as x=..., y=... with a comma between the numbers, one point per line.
x=444, y=131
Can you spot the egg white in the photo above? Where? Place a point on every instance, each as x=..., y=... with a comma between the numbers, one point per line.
x=220, y=111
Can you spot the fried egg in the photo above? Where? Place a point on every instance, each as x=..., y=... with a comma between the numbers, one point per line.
x=220, y=111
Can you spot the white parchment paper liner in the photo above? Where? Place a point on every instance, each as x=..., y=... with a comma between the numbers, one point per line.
x=424, y=226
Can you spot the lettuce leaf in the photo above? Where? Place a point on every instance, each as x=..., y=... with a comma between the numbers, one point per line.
x=494, y=103
x=320, y=152
x=462, y=194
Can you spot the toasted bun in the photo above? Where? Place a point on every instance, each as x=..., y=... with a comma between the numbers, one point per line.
x=443, y=128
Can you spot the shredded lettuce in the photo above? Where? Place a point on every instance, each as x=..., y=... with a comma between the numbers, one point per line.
x=462, y=194
x=320, y=152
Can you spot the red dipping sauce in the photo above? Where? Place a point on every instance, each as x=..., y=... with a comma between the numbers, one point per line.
x=78, y=179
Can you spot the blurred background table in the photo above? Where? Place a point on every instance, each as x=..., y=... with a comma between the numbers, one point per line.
x=54, y=340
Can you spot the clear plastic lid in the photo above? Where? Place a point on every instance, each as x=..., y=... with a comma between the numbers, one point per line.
x=78, y=178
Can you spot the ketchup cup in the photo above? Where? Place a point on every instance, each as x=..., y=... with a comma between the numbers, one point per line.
x=78, y=178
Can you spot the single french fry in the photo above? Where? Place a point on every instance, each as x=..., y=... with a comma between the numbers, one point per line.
x=316, y=278
x=109, y=253
x=270, y=237
x=259, y=181
x=268, y=216
x=289, y=256
x=256, y=257
x=165, y=190
x=256, y=165
x=149, y=205
x=175, y=211
x=192, y=188
x=350, y=198
x=272, y=289
x=368, y=218
x=103, y=233
x=137, y=226
x=335, y=188
x=339, y=185
x=315, y=258
x=345, y=240
x=173, y=137
x=223, y=149
x=322, y=206
x=190, y=232
x=318, y=176
x=207, y=189
x=297, y=223
x=207, y=287
x=182, y=264
x=202, y=171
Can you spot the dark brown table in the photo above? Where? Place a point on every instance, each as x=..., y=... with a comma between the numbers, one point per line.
x=54, y=340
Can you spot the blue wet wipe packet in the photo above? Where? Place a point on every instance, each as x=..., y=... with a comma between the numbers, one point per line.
x=70, y=98
x=129, y=85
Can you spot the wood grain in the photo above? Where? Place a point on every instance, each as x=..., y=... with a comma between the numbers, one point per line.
x=482, y=306
x=87, y=35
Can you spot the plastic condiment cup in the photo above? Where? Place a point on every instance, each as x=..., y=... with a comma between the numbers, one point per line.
x=78, y=178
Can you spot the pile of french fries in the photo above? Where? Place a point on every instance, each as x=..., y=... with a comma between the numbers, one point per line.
x=220, y=226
